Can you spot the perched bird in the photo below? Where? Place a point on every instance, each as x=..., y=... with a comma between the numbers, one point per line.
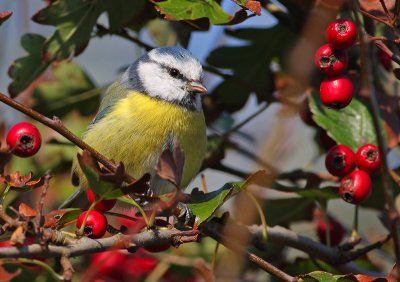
x=154, y=105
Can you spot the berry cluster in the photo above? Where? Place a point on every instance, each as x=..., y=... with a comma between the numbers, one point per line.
x=355, y=185
x=336, y=90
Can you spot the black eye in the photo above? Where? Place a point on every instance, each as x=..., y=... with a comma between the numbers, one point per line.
x=174, y=72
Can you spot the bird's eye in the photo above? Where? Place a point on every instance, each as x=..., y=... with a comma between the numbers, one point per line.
x=174, y=72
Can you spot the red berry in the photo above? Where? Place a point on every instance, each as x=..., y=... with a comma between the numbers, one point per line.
x=103, y=205
x=110, y=264
x=339, y=160
x=96, y=224
x=24, y=139
x=368, y=158
x=324, y=140
x=336, y=91
x=336, y=232
x=331, y=61
x=356, y=187
x=162, y=224
x=342, y=34
x=306, y=114
x=385, y=60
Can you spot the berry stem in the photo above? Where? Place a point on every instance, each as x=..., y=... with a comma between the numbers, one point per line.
x=214, y=257
x=81, y=230
x=260, y=213
x=324, y=207
x=56, y=276
x=354, y=232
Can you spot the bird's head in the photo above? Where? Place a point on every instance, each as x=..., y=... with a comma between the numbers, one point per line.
x=168, y=73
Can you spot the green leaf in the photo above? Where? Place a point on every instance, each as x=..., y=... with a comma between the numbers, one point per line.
x=70, y=90
x=250, y=63
x=318, y=276
x=193, y=9
x=351, y=126
x=69, y=216
x=284, y=211
x=25, y=70
x=204, y=206
x=102, y=189
x=75, y=19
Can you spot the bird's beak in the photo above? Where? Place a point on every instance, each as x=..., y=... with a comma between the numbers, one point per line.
x=196, y=87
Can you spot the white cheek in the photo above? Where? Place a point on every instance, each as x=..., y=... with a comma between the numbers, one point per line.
x=158, y=83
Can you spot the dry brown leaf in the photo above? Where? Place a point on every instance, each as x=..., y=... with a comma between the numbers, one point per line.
x=26, y=211
x=5, y=15
x=170, y=165
x=18, y=236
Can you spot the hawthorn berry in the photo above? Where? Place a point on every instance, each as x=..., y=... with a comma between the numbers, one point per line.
x=385, y=60
x=96, y=224
x=306, y=114
x=24, y=139
x=356, y=187
x=336, y=91
x=342, y=34
x=336, y=231
x=103, y=205
x=368, y=158
x=330, y=61
x=160, y=224
x=339, y=160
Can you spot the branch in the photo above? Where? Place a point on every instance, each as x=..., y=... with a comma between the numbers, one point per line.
x=86, y=245
x=237, y=248
x=56, y=124
x=278, y=235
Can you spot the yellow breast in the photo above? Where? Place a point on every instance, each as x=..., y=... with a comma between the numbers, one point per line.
x=139, y=128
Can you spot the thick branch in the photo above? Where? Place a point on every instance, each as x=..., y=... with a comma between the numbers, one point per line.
x=85, y=245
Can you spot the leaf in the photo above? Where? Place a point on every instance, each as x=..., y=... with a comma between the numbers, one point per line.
x=26, y=211
x=102, y=189
x=170, y=165
x=75, y=20
x=192, y=10
x=25, y=70
x=70, y=90
x=351, y=126
x=18, y=236
x=6, y=276
x=204, y=205
x=60, y=218
x=284, y=211
x=250, y=63
x=254, y=6
x=23, y=183
x=5, y=15
x=321, y=276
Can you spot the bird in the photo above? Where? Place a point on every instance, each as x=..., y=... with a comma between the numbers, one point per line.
x=152, y=107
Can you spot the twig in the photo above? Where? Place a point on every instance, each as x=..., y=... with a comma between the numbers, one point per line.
x=369, y=89
x=56, y=124
x=67, y=268
x=278, y=235
x=395, y=176
x=45, y=187
x=383, y=4
x=250, y=256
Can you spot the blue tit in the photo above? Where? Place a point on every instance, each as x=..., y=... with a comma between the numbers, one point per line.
x=152, y=107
